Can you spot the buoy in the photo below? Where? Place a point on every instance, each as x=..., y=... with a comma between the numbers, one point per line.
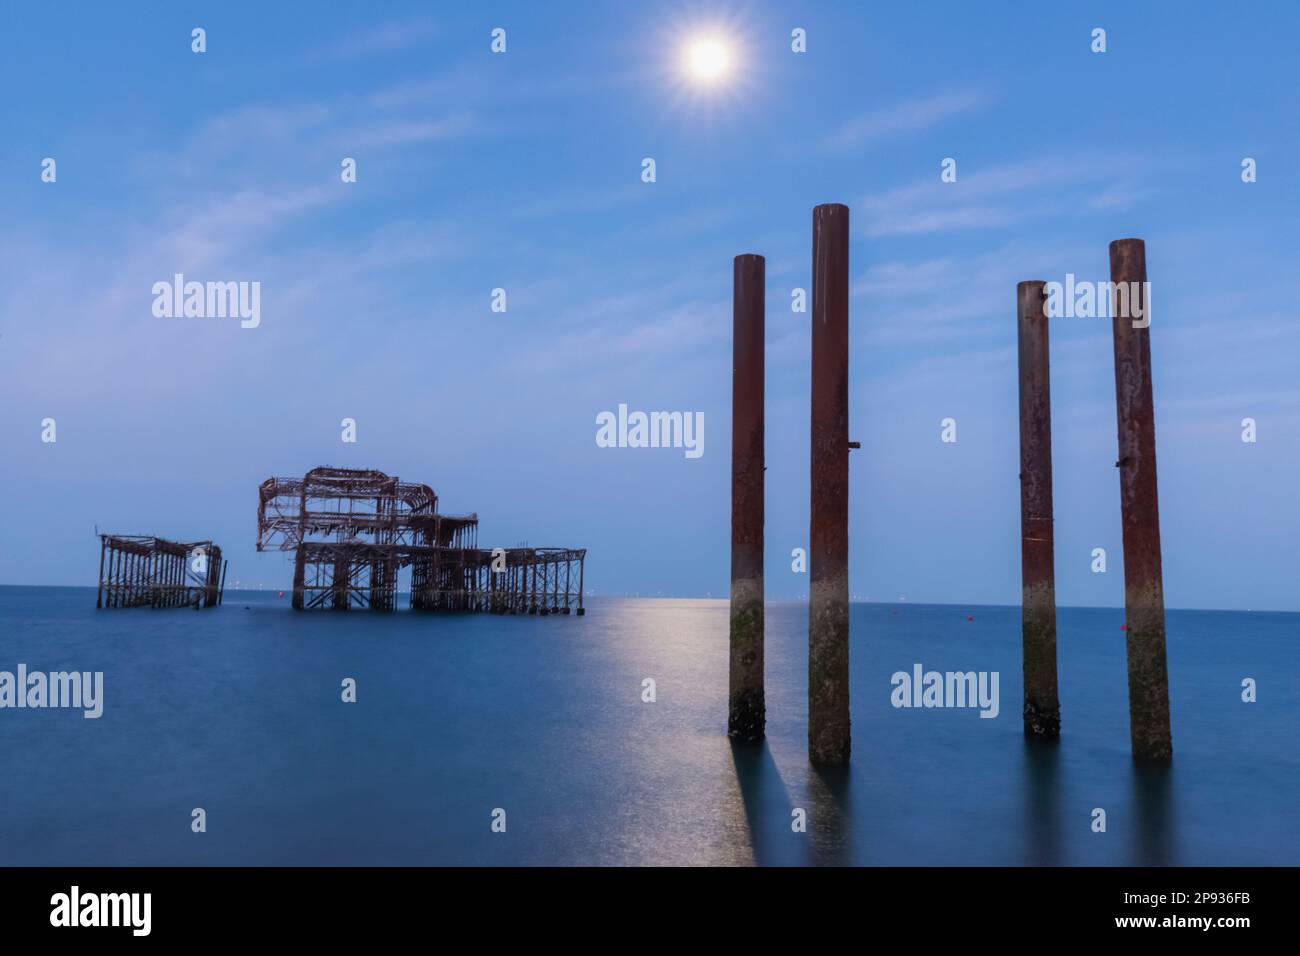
x=1123, y=627
x=969, y=618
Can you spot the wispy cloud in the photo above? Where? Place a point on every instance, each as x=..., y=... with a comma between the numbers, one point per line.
x=1120, y=195
x=1003, y=195
x=294, y=134
x=589, y=201
x=953, y=298
x=909, y=117
x=384, y=38
x=399, y=132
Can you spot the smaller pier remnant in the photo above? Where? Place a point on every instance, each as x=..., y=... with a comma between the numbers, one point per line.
x=144, y=571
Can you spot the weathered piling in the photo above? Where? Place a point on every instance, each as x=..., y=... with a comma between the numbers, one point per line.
x=1144, y=600
x=99, y=592
x=341, y=581
x=746, y=708
x=299, y=580
x=581, y=573
x=1042, y=711
x=828, y=573
x=214, y=576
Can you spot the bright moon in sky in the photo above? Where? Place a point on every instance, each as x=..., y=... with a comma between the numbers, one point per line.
x=708, y=60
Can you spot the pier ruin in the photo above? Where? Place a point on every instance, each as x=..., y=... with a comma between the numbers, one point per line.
x=353, y=530
x=144, y=571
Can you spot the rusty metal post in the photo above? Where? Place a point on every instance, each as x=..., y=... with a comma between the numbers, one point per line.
x=746, y=704
x=341, y=580
x=299, y=577
x=99, y=594
x=210, y=581
x=1144, y=598
x=582, y=567
x=1042, y=712
x=828, y=573
x=110, y=589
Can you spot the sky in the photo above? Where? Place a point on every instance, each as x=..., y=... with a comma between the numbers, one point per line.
x=522, y=170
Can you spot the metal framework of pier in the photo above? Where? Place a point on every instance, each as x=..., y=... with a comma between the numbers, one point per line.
x=144, y=571
x=352, y=530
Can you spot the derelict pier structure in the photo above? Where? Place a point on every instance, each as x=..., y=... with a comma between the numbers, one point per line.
x=144, y=571
x=352, y=530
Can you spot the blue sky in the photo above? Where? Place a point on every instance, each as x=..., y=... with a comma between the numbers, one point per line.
x=522, y=171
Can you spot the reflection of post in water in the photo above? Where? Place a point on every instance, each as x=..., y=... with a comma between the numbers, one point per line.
x=829, y=830
x=1042, y=794
x=1153, y=812
x=766, y=803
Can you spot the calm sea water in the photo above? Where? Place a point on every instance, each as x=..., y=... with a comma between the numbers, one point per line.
x=237, y=710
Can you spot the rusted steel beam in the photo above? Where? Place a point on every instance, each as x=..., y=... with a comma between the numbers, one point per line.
x=299, y=577
x=532, y=599
x=828, y=573
x=211, y=574
x=110, y=588
x=342, y=580
x=746, y=707
x=1144, y=597
x=99, y=593
x=1042, y=712
x=582, y=567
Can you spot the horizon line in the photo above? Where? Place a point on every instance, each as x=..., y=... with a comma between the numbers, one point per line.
x=804, y=600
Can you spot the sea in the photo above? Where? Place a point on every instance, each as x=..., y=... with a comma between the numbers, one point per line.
x=601, y=740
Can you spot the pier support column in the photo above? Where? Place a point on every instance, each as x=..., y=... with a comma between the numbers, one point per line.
x=747, y=710
x=213, y=573
x=1144, y=599
x=828, y=573
x=341, y=582
x=99, y=594
x=299, y=577
x=582, y=564
x=1042, y=711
